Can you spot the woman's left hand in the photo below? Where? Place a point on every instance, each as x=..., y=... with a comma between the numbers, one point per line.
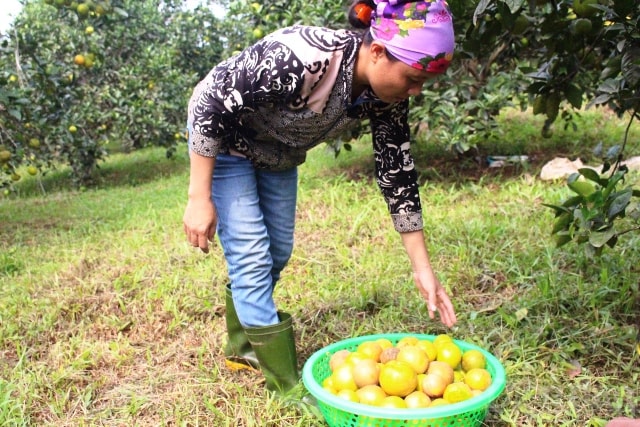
x=436, y=296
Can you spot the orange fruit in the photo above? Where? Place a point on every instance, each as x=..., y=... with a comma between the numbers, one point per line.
x=407, y=340
x=371, y=395
x=384, y=343
x=328, y=385
x=366, y=372
x=443, y=369
x=438, y=402
x=440, y=339
x=478, y=379
x=393, y=402
x=457, y=392
x=342, y=378
x=398, y=378
x=370, y=349
x=354, y=358
x=420, y=379
x=433, y=385
x=472, y=359
x=458, y=376
x=349, y=395
x=417, y=399
x=79, y=59
x=415, y=357
x=429, y=348
x=449, y=353
x=338, y=359
x=389, y=354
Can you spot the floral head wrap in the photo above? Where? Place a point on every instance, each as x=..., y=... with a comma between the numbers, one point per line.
x=418, y=33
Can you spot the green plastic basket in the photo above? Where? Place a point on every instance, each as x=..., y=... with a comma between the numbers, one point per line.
x=338, y=412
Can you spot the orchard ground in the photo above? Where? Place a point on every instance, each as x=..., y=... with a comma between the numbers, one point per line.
x=109, y=317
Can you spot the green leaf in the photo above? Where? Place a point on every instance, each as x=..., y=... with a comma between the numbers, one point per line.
x=522, y=313
x=480, y=8
x=600, y=238
x=16, y=113
x=620, y=203
x=562, y=239
x=515, y=5
x=583, y=188
x=572, y=202
x=558, y=209
x=121, y=12
x=574, y=95
x=591, y=175
x=562, y=223
x=631, y=65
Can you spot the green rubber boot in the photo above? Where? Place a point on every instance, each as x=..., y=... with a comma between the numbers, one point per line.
x=239, y=352
x=275, y=348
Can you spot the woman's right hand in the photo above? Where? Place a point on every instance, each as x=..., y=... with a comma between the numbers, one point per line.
x=200, y=222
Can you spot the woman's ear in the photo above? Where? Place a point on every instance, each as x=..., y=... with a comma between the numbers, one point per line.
x=376, y=51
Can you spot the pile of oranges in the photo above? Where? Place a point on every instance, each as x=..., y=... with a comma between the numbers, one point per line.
x=412, y=373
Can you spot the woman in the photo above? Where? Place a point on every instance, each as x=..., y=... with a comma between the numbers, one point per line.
x=251, y=122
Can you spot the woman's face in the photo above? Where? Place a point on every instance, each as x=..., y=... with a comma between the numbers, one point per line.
x=394, y=81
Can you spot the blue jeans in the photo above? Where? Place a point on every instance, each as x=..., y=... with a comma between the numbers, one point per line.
x=256, y=219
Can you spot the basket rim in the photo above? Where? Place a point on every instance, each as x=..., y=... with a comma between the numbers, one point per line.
x=475, y=403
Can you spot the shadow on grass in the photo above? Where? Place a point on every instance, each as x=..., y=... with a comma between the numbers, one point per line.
x=133, y=169
x=518, y=134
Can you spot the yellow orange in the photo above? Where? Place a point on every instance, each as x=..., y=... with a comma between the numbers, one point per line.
x=365, y=372
x=478, y=379
x=370, y=349
x=338, y=359
x=449, y=353
x=398, y=378
x=371, y=395
x=342, y=378
x=457, y=392
x=415, y=357
x=393, y=402
x=443, y=369
x=429, y=348
x=417, y=399
x=407, y=340
x=472, y=359
x=349, y=395
x=433, y=385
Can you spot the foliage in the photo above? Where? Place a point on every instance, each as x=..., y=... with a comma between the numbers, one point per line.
x=262, y=17
x=79, y=76
x=565, y=55
x=594, y=216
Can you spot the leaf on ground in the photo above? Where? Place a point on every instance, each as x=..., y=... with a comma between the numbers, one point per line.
x=574, y=368
x=522, y=314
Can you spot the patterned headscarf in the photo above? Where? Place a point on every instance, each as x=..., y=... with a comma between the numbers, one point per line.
x=418, y=33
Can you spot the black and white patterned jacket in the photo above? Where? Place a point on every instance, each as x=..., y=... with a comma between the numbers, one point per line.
x=292, y=91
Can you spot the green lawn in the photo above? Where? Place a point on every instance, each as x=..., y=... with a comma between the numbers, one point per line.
x=109, y=318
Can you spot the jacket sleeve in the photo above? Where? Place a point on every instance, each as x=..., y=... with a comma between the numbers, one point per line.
x=261, y=74
x=395, y=172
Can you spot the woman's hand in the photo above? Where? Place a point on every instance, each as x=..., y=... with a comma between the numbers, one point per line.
x=200, y=222
x=425, y=279
x=200, y=219
x=436, y=297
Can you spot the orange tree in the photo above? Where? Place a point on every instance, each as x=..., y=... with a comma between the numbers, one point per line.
x=556, y=56
x=78, y=77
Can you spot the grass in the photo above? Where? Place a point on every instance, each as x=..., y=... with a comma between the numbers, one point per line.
x=108, y=318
